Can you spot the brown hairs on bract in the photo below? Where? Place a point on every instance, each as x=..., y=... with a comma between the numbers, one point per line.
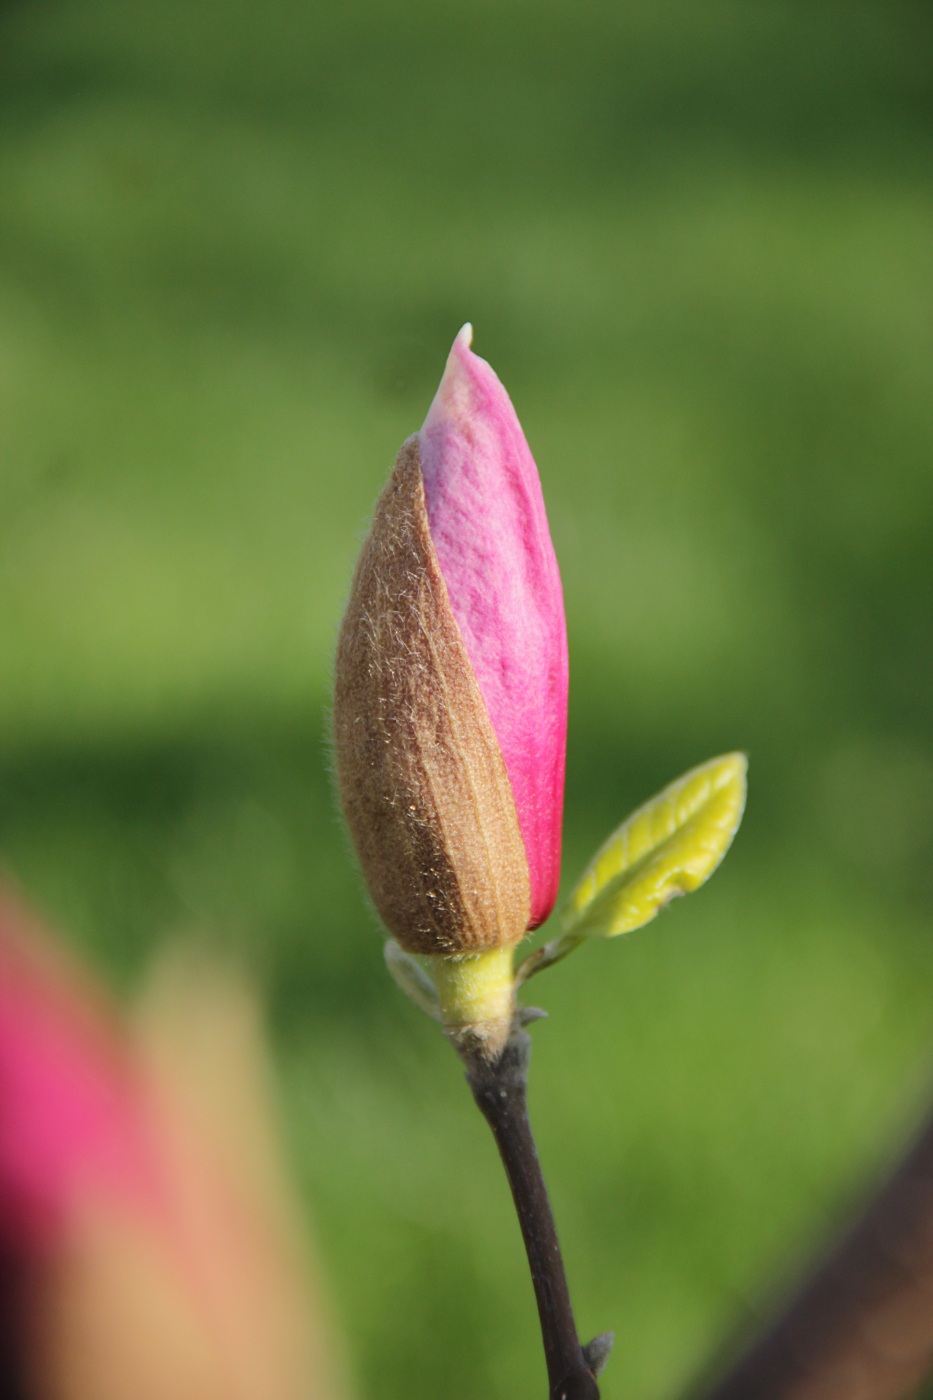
x=420, y=773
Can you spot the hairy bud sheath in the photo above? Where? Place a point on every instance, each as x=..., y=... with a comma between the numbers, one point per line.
x=451, y=681
x=422, y=779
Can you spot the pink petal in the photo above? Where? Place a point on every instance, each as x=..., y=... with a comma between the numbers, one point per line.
x=490, y=531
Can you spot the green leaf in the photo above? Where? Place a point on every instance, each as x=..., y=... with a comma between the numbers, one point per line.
x=668, y=847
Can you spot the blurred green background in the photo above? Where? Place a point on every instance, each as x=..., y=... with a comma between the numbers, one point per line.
x=696, y=243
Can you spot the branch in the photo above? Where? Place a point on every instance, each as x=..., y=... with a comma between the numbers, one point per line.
x=863, y=1323
x=499, y=1090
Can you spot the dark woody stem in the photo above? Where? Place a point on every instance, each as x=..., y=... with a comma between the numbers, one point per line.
x=500, y=1092
x=863, y=1322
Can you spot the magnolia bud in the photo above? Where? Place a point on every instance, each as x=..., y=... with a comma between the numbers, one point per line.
x=450, y=707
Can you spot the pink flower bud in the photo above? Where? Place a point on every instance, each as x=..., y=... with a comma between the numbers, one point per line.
x=450, y=707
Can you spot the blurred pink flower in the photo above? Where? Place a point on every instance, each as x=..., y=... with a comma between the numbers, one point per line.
x=147, y=1240
x=71, y=1115
x=490, y=533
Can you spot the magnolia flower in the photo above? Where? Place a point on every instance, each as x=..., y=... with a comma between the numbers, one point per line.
x=450, y=720
x=146, y=1246
x=450, y=709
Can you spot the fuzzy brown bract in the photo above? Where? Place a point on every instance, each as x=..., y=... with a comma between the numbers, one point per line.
x=419, y=769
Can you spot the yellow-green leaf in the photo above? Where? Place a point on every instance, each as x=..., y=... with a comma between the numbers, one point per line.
x=668, y=847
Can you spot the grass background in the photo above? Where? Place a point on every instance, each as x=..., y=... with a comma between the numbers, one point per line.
x=236, y=241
